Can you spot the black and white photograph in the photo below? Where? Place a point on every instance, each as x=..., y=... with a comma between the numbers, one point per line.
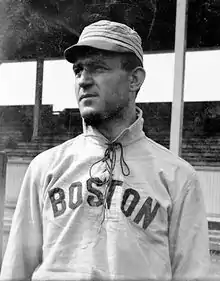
x=109, y=140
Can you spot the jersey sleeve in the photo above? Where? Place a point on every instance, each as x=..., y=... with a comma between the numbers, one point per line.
x=24, y=249
x=188, y=234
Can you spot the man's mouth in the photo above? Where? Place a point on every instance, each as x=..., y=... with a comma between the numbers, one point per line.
x=85, y=96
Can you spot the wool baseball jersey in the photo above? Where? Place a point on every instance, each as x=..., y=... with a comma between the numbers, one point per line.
x=94, y=209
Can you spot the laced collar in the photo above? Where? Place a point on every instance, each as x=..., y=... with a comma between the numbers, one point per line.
x=126, y=137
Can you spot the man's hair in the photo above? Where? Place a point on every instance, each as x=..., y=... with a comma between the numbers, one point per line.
x=129, y=61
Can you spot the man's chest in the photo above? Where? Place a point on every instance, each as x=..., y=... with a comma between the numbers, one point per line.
x=116, y=199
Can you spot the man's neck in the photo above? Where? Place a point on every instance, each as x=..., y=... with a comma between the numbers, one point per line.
x=113, y=127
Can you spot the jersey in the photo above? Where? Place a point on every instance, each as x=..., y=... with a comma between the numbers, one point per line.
x=94, y=209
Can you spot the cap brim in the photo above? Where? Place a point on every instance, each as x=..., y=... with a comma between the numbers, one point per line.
x=74, y=51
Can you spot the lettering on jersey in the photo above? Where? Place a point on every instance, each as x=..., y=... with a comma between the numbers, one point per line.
x=111, y=192
x=129, y=202
x=57, y=198
x=75, y=188
x=136, y=197
x=98, y=199
x=145, y=212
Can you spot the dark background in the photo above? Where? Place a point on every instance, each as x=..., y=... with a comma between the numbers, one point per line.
x=44, y=28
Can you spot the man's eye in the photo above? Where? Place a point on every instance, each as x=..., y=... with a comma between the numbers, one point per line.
x=99, y=68
x=77, y=70
x=92, y=68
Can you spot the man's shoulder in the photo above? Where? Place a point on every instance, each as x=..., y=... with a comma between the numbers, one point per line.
x=58, y=152
x=167, y=159
x=174, y=172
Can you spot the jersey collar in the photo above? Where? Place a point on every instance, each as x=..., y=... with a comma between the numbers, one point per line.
x=129, y=135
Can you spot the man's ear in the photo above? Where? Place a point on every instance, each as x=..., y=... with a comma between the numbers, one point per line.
x=137, y=77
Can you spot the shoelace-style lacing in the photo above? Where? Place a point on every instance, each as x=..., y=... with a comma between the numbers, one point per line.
x=110, y=154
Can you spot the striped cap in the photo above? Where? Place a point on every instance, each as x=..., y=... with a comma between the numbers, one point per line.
x=107, y=35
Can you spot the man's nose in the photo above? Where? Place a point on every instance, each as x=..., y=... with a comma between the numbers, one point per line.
x=85, y=79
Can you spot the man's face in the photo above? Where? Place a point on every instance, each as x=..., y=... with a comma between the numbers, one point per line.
x=101, y=86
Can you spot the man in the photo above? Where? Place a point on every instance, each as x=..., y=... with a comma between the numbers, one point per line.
x=110, y=203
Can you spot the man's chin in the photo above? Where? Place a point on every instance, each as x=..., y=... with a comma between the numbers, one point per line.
x=92, y=118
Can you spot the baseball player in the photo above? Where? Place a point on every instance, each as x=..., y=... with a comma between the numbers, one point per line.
x=111, y=203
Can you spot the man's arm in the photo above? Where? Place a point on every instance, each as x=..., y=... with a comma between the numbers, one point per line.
x=23, y=252
x=188, y=234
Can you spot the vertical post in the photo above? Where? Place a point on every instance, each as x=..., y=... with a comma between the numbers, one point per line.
x=179, y=74
x=38, y=99
x=3, y=163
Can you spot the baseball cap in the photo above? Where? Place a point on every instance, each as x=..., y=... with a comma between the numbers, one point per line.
x=107, y=35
